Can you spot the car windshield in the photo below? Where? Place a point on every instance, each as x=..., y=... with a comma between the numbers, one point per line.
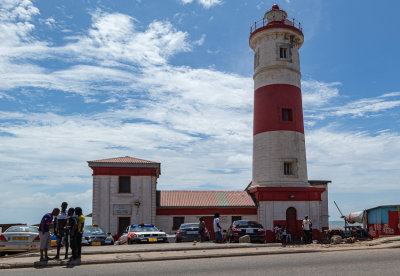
x=93, y=230
x=144, y=229
x=189, y=225
x=15, y=229
x=243, y=224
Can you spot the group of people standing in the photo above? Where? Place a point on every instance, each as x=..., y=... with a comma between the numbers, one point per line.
x=68, y=228
x=282, y=234
x=217, y=229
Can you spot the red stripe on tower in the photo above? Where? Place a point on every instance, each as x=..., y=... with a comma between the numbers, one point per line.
x=278, y=107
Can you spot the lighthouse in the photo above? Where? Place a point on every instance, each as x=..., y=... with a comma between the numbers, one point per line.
x=279, y=179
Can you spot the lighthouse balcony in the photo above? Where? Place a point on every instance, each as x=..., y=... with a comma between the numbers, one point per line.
x=264, y=23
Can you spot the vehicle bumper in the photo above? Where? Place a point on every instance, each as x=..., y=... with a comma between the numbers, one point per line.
x=150, y=240
x=252, y=238
x=15, y=247
x=188, y=238
x=97, y=242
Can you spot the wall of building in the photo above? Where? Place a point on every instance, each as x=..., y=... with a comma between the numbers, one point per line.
x=323, y=206
x=166, y=222
x=383, y=220
x=108, y=204
x=270, y=211
x=273, y=213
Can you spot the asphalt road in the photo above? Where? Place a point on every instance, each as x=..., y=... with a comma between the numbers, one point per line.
x=359, y=262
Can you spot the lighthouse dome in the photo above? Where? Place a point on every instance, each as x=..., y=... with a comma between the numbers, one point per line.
x=275, y=14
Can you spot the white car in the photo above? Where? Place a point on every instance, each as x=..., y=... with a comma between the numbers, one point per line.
x=19, y=238
x=142, y=233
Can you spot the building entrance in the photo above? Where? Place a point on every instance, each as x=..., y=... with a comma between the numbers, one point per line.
x=210, y=226
x=292, y=224
x=123, y=223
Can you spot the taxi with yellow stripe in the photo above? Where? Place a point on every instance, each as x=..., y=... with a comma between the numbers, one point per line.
x=147, y=233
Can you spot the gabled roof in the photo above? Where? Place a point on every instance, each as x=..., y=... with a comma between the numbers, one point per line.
x=184, y=199
x=125, y=161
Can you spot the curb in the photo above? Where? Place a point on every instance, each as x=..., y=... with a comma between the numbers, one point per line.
x=169, y=258
x=133, y=250
x=229, y=246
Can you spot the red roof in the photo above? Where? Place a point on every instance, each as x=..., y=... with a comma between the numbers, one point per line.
x=204, y=199
x=125, y=159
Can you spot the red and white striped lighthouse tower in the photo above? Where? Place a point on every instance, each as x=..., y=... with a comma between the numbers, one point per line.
x=280, y=181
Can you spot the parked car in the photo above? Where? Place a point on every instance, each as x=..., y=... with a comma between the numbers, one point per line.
x=95, y=235
x=190, y=232
x=142, y=233
x=19, y=238
x=241, y=228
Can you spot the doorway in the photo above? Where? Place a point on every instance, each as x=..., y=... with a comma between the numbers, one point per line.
x=210, y=226
x=123, y=223
x=291, y=223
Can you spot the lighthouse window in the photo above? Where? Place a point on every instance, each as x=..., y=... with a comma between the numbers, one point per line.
x=283, y=52
x=287, y=168
x=287, y=114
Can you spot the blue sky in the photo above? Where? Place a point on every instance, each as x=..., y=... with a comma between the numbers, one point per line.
x=171, y=81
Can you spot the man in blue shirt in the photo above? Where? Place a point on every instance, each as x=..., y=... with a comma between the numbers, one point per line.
x=44, y=233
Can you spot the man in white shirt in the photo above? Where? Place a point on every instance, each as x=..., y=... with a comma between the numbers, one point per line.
x=306, y=229
x=217, y=229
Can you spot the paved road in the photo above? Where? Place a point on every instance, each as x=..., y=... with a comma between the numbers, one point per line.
x=365, y=262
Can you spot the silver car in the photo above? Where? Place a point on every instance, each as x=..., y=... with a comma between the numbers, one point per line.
x=19, y=238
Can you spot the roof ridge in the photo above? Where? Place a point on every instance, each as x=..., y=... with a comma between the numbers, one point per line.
x=120, y=158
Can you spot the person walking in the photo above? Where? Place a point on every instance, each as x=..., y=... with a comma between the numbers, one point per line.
x=44, y=233
x=306, y=230
x=284, y=235
x=217, y=229
x=288, y=235
x=202, y=229
x=79, y=233
x=60, y=223
x=72, y=231
x=278, y=233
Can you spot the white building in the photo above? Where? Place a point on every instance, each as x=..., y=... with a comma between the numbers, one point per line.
x=124, y=192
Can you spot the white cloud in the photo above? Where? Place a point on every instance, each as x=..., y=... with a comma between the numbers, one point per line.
x=209, y=3
x=205, y=3
x=50, y=22
x=364, y=107
x=316, y=93
x=392, y=94
x=212, y=52
x=358, y=162
x=200, y=41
